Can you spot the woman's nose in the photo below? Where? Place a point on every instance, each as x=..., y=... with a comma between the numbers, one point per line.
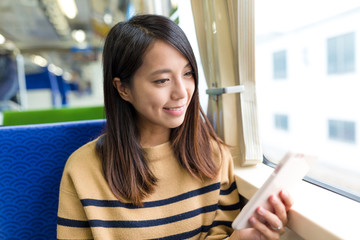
x=179, y=89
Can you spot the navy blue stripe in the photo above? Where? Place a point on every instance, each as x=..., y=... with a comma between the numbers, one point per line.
x=192, y=233
x=229, y=190
x=82, y=239
x=232, y=207
x=184, y=235
x=223, y=223
x=137, y=224
x=72, y=223
x=189, y=234
x=181, y=197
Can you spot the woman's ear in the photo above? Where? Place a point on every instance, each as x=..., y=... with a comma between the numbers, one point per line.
x=122, y=89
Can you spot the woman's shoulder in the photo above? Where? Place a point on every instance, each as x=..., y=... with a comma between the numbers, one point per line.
x=83, y=157
x=221, y=155
x=220, y=150
x=223, y=159
x=83, y=172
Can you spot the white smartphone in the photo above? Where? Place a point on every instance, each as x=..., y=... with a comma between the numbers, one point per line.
x=290, y=170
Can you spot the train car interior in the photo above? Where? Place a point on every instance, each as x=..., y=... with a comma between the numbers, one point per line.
x=275, y=77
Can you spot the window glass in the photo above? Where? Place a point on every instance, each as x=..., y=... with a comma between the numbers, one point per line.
x=281, y=122
x=279, y=64
x=342, y=131
x=315, y=110
x=341, y=52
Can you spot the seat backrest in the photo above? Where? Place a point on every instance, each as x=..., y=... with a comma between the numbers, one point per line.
x=32, y=159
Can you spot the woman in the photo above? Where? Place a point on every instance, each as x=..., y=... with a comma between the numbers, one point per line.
x=159, y=171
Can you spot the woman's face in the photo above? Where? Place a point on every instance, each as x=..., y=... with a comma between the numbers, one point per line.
x=162, y=88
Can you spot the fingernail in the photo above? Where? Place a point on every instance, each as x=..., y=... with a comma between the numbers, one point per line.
x=252, y=220
x=261, y=210
x=285, y=193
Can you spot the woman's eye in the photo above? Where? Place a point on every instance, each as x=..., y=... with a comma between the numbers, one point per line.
x=161, y=81
x=189, y=74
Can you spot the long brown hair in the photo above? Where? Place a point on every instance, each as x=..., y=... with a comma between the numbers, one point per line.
x=123, y=159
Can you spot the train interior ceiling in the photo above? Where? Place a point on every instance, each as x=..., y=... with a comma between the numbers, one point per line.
x=50, y=54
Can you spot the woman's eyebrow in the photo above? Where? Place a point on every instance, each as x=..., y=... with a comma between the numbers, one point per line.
x=187, y=65
x=161, y=71
x=165, y=70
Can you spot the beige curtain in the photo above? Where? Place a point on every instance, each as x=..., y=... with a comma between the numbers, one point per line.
x=225, y=33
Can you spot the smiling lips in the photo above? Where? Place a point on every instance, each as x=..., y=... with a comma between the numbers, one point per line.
x=175, y=110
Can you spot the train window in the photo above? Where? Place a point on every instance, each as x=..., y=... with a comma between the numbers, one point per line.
x=318, y=53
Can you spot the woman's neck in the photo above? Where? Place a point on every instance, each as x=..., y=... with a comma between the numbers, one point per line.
x=153, y=137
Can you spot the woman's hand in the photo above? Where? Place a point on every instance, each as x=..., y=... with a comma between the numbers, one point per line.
x=274, y=223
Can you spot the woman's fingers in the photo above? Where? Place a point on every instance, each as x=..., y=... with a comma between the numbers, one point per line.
x=286, y=199
x=276, y=219
x=279, y=209
x=272, y=220
x=263, y=229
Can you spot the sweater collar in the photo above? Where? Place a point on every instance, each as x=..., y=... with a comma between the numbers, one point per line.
x=158, y=152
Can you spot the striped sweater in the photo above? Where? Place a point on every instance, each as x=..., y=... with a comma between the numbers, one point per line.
x=181, y=207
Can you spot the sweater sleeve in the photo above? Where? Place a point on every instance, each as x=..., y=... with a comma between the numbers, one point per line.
x=228, y=202
x=72, y=221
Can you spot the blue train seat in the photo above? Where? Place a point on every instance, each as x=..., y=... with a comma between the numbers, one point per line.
x=32, y=158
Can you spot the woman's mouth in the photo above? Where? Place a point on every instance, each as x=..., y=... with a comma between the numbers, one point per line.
x=175, y=110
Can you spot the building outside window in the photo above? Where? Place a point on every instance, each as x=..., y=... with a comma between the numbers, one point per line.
x=341, y=54
x=342, y=130
x=279, y=61
x=281, y=122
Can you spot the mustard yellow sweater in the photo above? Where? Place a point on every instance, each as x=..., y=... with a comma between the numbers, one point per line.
x=180, y=208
